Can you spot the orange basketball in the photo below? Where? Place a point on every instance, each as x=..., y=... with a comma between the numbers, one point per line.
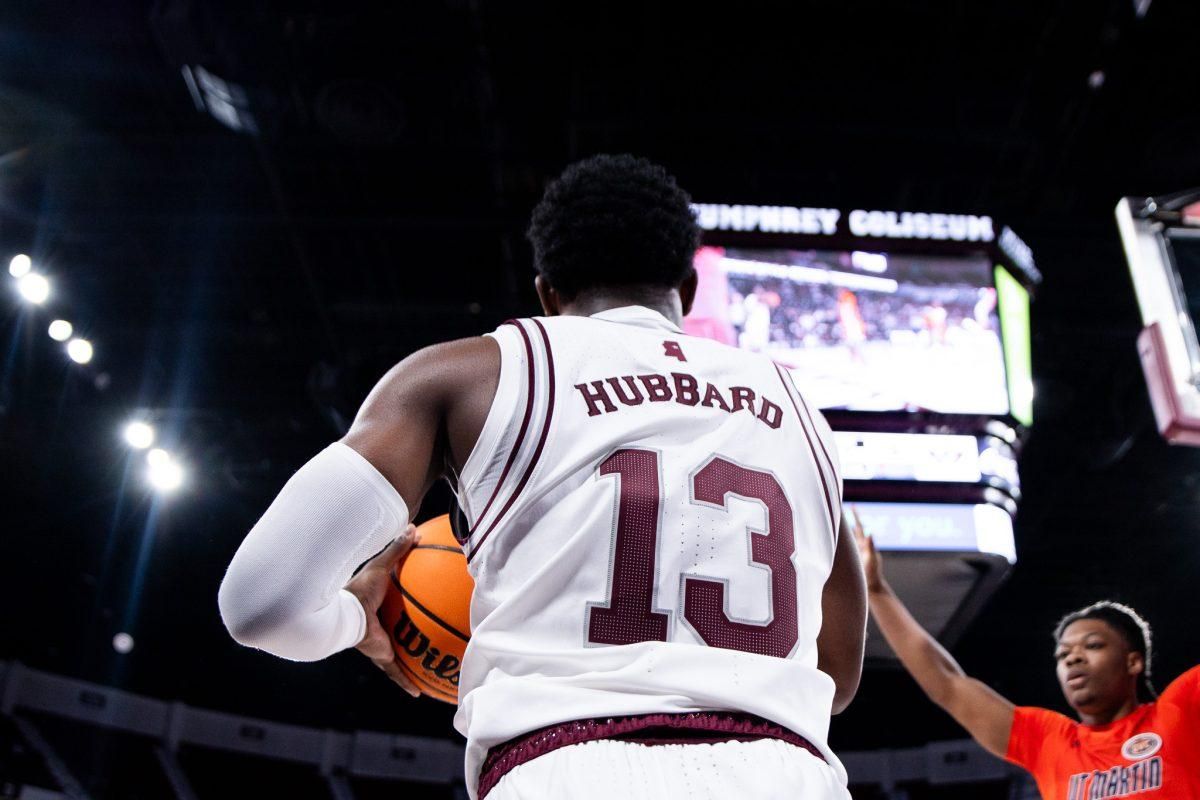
x=427, y=610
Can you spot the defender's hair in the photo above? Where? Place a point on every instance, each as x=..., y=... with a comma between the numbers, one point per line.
x=613, y=221
x=1132, y=627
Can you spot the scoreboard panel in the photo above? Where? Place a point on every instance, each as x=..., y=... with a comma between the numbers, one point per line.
x=911, y=331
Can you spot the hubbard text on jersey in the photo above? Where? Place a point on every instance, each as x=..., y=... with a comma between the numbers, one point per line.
x=608, y=395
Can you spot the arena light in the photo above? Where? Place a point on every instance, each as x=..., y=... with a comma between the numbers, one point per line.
x=60, y=330
x=20, y=265
x=80, y=350
x=164, y=474
x=34, y=287
x=139, y=435
x=166, y=477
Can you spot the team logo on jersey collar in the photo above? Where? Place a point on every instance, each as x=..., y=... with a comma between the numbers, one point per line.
x=1142, y=745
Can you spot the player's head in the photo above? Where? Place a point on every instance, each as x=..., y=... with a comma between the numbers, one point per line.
x=1103, y=655
x=614, y=223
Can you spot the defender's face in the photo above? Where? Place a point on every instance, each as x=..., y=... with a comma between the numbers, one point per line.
x=1095, y=666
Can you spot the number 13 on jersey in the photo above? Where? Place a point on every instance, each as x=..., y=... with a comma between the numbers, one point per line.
x=628, y=616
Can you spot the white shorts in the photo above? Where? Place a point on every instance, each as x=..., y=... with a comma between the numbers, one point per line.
x=608, y=769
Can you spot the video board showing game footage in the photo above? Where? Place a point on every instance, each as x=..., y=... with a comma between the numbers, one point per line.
x=864, y=331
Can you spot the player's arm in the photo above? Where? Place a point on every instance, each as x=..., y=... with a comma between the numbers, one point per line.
x=286, y=588
x=986, y=715
x=844, y=621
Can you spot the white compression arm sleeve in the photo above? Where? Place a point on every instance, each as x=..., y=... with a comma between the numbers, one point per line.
x=283, y=590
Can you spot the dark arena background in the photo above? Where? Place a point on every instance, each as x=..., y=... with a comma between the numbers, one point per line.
x=247, y=214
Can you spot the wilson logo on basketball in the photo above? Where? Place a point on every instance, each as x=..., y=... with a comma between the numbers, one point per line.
x=1143, y=745
x=409, y=638
x=427, y=611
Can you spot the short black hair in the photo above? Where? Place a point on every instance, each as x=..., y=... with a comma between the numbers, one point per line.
x=1133, y=629
x=613, y=221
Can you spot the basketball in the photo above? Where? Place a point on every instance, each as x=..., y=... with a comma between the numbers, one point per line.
x=427, y=610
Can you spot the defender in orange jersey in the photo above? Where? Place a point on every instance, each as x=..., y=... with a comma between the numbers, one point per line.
x=1127, y=742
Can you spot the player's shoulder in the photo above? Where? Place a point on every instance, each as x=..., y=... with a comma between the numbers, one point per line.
x=1185, y=689
x=446, y=366
x=566, y=327
x=1041, y=723
x=679, y=344
x=456, y=352
x=575, y=321
x=1039, y=736
x=1044, y=719
x=557, y=329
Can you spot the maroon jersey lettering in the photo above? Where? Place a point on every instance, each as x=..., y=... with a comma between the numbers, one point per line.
x=713, y=399
x=686, y=389
x=704, y=600
x=634, y=395
x=770, y=413
x=743, y=397
x=595, y=397
x=656, y=387
x=673, y=350
x=629, y=617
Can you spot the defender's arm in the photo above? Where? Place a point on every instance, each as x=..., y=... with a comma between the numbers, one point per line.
x=986, y=715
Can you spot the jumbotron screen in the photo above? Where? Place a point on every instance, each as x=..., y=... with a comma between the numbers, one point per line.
x=864, y=331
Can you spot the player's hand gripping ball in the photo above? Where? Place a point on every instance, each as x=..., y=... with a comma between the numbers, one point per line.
x=427, y=610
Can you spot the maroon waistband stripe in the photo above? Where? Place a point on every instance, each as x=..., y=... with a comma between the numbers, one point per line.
x=699, y=727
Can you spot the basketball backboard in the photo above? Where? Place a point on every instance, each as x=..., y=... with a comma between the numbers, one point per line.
x=1162, y=247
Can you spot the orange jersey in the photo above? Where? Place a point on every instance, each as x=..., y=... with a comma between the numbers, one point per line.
x=1153, y=753
x=854, y=328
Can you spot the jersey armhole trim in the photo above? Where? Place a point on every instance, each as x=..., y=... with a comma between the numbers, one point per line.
x=834, y=474
x=790, y=390
x=538, y=448
x=494, y=427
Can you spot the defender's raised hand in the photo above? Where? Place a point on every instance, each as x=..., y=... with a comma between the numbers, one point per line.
x=871, y=561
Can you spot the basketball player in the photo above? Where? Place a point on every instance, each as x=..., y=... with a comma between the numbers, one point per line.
x=854, y=329
x=667, y=603
x=1126, y=742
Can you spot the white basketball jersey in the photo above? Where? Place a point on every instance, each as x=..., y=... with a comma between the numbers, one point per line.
x=652, y=518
